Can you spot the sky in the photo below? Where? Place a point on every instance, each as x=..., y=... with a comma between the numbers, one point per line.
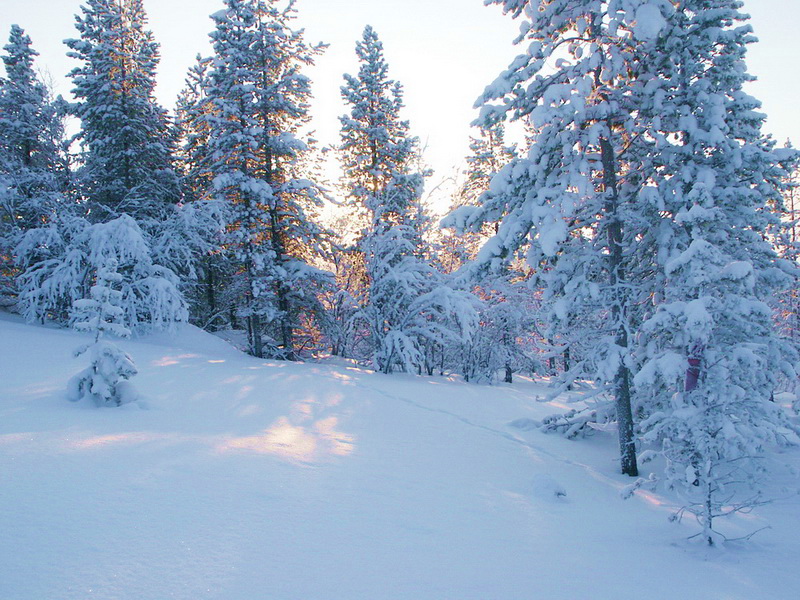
x=444, y=52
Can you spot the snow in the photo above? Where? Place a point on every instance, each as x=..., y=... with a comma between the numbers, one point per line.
x=239, y=478
x=649, y=22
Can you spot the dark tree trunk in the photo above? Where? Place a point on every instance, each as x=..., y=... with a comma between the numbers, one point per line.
x=567, y=362
x=287, y=333
x=211, y=298
x=621, y=384
x=257, y=344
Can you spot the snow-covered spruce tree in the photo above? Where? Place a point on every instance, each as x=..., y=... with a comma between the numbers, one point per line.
x=488, y=154
x=188, y=243
x=193, y=110
x=405, y=303
x=105, y=380
x=53, y=269
x=788, y=302
x=575, y=199
x=649, y=189
x=32, y=167
x=126, y=140
x=260, y=101
x=191, y=237
x=712, y=357
x=505, y=313
x=503, y=342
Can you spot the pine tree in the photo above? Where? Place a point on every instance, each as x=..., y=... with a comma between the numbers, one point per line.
x=32, y=167
x=488, y=154
x=713, y=358
x=260, y=101
x=193, y=111
x=126, y=138
x=648, y=196
x=191, y=240
x=574, y=198
x=405, y=303
x=506, y=306
x=788, y=302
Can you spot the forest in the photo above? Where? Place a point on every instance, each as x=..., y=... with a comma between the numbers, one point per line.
x=637, y=248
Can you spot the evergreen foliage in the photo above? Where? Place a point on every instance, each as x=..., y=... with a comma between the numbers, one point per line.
x=126, y=163
x=646, y=199
x=259, y=100
x=70, y=250
x=405, y=302
x=32, y=166
x=643, y=237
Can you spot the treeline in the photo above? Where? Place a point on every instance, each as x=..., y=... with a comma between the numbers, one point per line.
x=214, y=213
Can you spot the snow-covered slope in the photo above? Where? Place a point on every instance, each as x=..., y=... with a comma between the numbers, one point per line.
x=240, y=479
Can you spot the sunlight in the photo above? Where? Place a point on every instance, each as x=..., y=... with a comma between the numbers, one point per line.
x=334, y=399
x=167, y=361
x=244, y=391
x=133, y=437
x=341, y=376
x=295, y=443
x=302, y=411
x=249, y=410
x=561, y=405
x=15, y=438
x=651, y=498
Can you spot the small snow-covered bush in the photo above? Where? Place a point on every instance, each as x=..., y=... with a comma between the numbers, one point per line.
x=105, y=380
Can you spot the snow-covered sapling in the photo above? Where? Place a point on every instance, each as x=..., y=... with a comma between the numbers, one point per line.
x=105, y=380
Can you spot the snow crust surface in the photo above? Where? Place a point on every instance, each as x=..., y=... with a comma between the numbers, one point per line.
x=237, y=478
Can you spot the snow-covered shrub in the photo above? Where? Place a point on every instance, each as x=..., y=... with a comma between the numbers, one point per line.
x=70, y=250
x=105, y=380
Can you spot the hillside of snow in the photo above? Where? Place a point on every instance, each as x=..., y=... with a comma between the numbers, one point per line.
x=242, y=479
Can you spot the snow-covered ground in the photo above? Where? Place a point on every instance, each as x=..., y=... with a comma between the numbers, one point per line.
x=240, y=479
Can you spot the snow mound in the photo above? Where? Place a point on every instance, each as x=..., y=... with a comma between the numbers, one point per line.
x=546, y=487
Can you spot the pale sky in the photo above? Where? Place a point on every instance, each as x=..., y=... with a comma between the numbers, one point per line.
x=444, y=52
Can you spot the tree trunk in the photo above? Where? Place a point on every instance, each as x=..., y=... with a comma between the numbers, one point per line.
x=287, y=333
x=621, y=384
x=255, y=332
x=211, y=297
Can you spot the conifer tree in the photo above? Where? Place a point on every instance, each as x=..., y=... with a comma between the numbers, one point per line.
x=488, y=154
x=126, y=139
x=405, y=303
x=647, y=198
x=572, y=196
x=105, y=380
x=195, y=234
x=32, y=167
x=193, y=111
x=713, y=358
x=260, y=101
x=505, y=309
x=71, y=250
